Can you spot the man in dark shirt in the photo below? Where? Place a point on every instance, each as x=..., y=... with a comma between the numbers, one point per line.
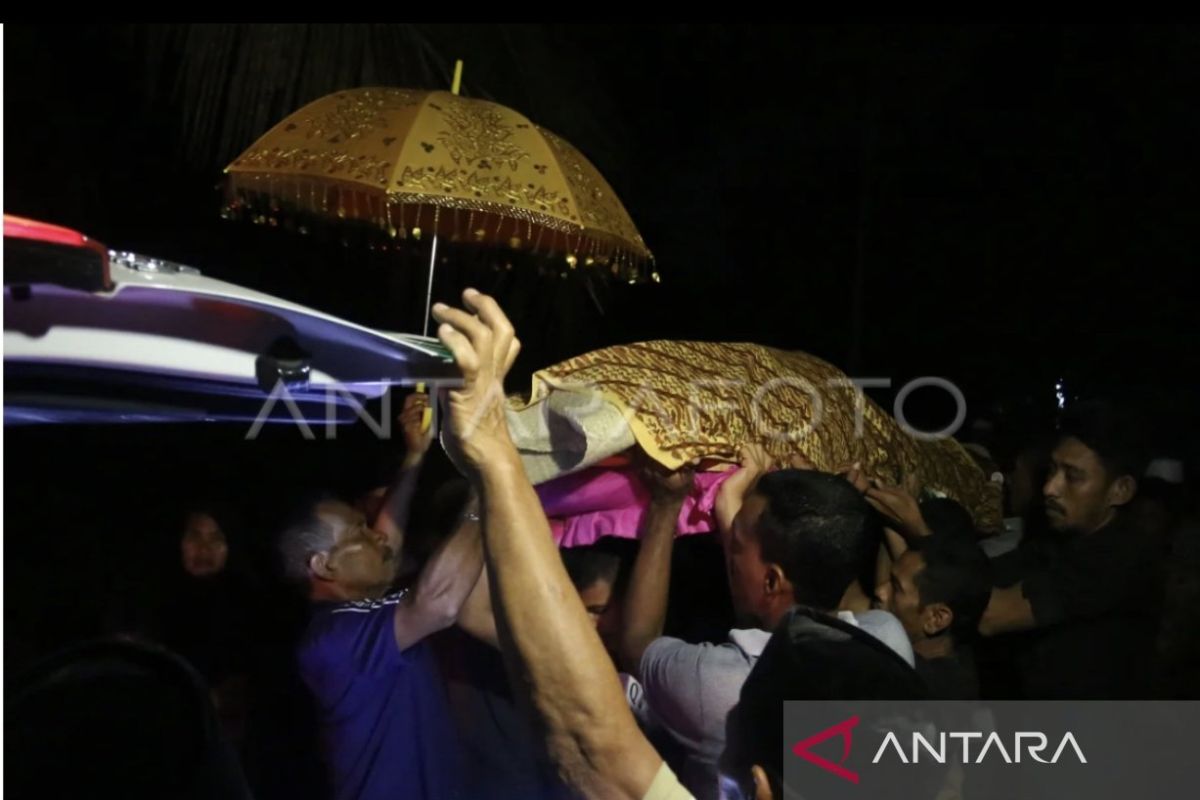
x=503, y=757
x=938, y=589
x=1089, y=597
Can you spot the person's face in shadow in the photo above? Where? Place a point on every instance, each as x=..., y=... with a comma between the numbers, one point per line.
x=203, y=546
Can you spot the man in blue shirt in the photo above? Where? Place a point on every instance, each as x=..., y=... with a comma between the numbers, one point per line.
x=385, y=725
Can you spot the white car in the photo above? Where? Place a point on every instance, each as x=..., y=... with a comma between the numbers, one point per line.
x=92, y=335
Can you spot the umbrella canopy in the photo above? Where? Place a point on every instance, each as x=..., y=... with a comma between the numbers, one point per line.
x=412, y=163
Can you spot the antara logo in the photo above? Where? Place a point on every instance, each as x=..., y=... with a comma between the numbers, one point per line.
x=955, y=747
x=842, y=729
x=950, y=743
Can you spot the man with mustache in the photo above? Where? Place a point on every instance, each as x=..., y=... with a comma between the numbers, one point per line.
x=1086, y=595
x=385, y=724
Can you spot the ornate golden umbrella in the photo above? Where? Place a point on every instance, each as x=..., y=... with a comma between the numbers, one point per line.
x=413, y=163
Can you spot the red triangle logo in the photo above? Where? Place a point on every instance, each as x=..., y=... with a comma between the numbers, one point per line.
x=842, y=729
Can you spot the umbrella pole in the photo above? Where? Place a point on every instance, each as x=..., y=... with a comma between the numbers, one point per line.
x=454, y=87
x=427, y=416
x=429, y=287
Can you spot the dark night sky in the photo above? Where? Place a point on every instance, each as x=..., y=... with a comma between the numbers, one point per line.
x=1019, y=202
x=1019, y=199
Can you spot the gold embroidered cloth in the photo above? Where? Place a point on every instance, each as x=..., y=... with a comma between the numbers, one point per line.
x=684, y=401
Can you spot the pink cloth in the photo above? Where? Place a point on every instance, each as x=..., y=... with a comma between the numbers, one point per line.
x=604, y=501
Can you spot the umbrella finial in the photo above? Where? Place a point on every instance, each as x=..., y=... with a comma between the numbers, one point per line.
x=457, y=84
